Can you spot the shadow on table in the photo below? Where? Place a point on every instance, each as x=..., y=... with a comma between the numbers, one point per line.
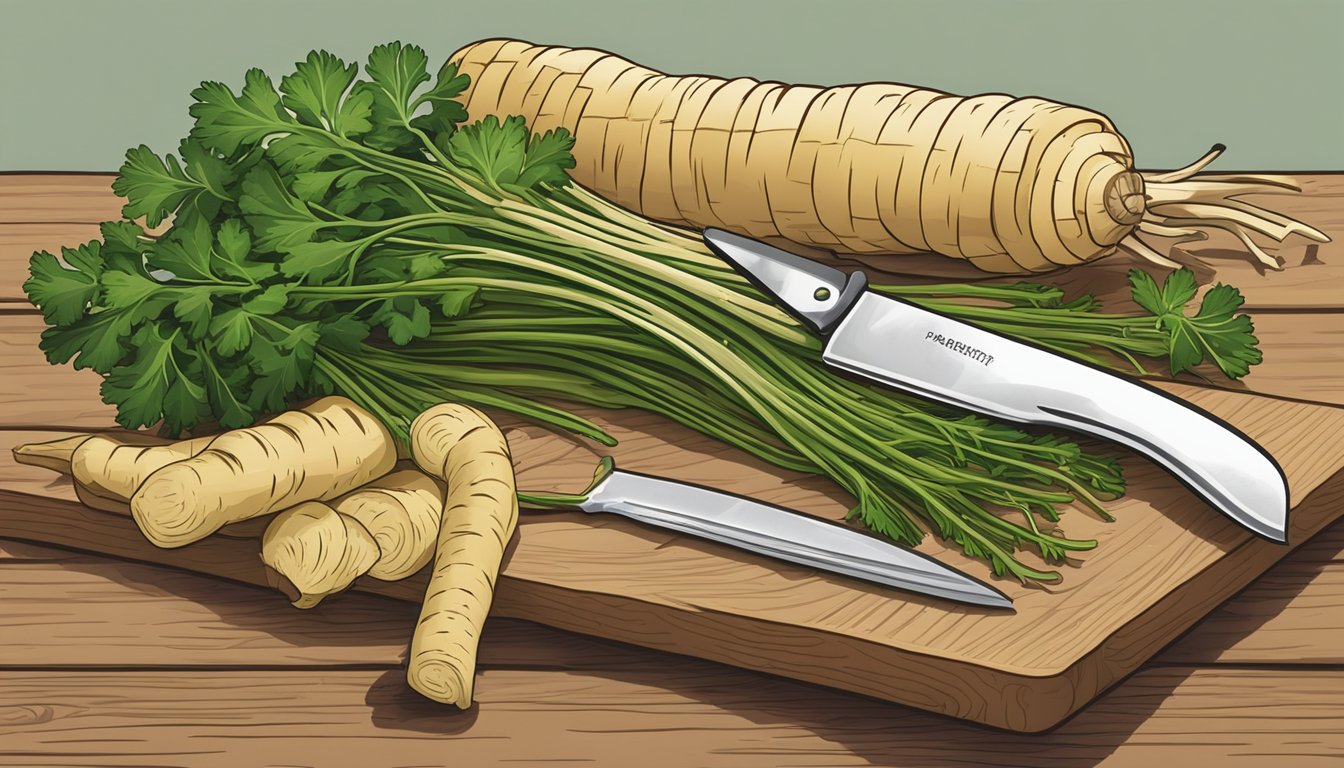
x=716, y=696
x=365, y=629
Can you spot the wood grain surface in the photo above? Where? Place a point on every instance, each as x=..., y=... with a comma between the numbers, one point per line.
x=657, y=590
x=160, y=627
x=648, y=717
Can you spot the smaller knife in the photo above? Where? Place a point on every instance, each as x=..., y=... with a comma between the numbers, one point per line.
x=903, y=346
x=779, y=533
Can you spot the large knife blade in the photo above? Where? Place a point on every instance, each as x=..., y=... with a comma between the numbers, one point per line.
x=781, y=534
x=906, y=347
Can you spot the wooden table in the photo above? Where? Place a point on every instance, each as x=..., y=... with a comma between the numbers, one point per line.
x=107, y=662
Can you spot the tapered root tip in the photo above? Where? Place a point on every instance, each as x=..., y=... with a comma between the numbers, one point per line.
x=441, y=681
x=54, y=455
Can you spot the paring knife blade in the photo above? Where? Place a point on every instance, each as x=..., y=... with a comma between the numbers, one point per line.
x=903, y=346
x=779, y=533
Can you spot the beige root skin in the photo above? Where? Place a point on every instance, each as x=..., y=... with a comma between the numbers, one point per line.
x=402, y=512
x=105, y=469
x=312, y=551
x=114, y=468
x=109, y=466
x=1012, y=185
x=54, y=455
x=315, y=453
x=463, y=447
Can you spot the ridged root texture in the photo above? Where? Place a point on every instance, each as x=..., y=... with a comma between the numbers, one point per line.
x=1012, y=185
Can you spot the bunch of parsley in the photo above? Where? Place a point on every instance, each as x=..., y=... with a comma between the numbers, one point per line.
x=339, y=234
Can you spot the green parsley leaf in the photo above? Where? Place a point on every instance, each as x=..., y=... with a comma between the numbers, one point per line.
x=1145, y=292
x=395, y=72
x=404, y=318
x=186, y=251
x=223, y=391
x=157, y=383
x=231, y=331
x=505, y=156
x=234, y=257
x=277, y=218
x=548, y=157
x=1228, y=338
x=314, y=185
x=315, y=261
x=315, y=93
x=155, y=188
x=446, y=112
x=138, y=295
x=343, y=332
x=97, y=342
x=125, y=248
x=228, y=123
x=1178, y=289
x=63, y=294
x=448, y=85
x=1215, y=333
x=269, y=301
x=194, y=308
x=304, y=152
x=454, y=302
x=492, y=150
x=283, y=366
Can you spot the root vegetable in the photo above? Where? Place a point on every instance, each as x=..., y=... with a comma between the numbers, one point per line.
x=401, y=511
x=463, y=447
x=1012, y=185
x=311, y=454
x=107, y=469
x=312, y=551
x=386, y=529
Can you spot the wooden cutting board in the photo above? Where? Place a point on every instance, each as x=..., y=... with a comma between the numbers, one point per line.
x=1166, y=562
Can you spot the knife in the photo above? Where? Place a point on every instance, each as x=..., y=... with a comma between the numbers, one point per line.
x=779, y=533
x=900, y=345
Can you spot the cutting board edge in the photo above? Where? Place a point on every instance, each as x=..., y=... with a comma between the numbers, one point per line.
x=1044, y=699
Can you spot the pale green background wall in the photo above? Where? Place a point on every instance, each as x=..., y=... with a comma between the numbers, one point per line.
x=80, y=81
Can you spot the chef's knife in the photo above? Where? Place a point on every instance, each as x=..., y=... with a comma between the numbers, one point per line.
x=903, y=346
x=781, y=534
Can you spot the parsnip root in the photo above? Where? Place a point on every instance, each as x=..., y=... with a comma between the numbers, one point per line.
x=312, y=551
x=1012, y=185
x=311, y=454
x=402, y=512
x=463, y=447
x=108, y=468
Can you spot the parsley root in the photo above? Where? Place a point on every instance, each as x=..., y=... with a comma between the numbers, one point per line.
x=386, y=529
x=312, y=551
x=107, y=469
x=463, y=447
x=1012, y=185
x=314, y=453
x=401, y=511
